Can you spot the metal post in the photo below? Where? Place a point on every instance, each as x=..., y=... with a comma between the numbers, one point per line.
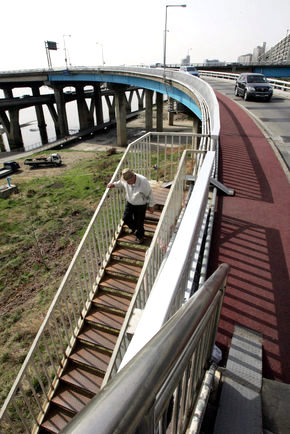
x=165, y=34
x=66, y=57
x=98, y=43
x=48, y=55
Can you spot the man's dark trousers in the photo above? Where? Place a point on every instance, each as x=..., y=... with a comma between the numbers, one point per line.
x=134, y=217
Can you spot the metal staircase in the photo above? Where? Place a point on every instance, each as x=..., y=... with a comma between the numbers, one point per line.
x=87, y=330
x=87, y=364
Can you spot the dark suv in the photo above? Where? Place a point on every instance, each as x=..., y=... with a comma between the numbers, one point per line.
x=252, y=85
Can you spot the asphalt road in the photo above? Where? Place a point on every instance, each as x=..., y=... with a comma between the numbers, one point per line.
x=273, y=116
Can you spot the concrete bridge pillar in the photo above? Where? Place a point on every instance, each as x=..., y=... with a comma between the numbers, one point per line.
x=195, y=124
x=121, y=111
x=148, y=109
x=40, y=117
x=170, y=111
x=111, y=107
x=61, y=112
x=159, y=118
x=140, y=98
x=2, y=147
x=98, y=104
x=15, y=135
x=54, y=116
x=11, y=124
x=195, y=129
x=85, y=118
x=8, y=93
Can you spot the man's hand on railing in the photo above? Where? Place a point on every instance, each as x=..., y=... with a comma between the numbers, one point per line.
x=151, y=209
x=111, y=185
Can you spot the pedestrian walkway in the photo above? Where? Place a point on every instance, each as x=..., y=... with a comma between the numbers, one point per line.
x=252, y=235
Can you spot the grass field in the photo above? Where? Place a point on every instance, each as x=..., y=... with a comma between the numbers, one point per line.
x=40, y=229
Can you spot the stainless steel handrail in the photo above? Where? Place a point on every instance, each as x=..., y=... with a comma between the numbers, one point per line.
x=168, y=370
x=39, y=374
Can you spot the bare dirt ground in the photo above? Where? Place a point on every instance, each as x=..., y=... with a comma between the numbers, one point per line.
x=104, y=141
x=25, y=305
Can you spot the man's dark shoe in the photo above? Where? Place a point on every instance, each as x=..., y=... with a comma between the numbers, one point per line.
x=139, y=240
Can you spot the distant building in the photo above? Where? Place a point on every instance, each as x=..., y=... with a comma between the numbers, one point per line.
x=186, y=61
x=245, y=58
x=213, y=62
x=258, y=52
x=280, y=53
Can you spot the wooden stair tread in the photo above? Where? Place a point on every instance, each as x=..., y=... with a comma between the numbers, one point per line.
x=129, y=253
x=125, y=268
x=150, y=226
x=87, y=365
x=160, y=194
x=105, y=319
x=98, y=337
x=118, y=283
x=69, y=399
x=131, y=239
x=111, y=301
x=56, y=420
x=82, y=379
x=88, y=356
x=153, y=216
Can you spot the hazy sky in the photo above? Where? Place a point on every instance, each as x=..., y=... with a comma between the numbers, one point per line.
x=132, y=31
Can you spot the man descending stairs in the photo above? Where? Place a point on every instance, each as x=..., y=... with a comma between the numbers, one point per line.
x=89, y=360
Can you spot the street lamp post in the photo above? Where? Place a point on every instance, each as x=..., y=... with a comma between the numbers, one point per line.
x=188, y=55
x=65, y=50
x=98, y=43
x=165, y=32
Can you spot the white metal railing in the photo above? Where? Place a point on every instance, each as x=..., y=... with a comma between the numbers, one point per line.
x=158, y=391
x=277, y=84
x=157, y=157
x=168, y=291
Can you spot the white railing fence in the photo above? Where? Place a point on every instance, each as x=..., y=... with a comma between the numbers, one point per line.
x=158, y=391
x=154, y=257
x=158, y=159
x=169, y=287
x=277, y=84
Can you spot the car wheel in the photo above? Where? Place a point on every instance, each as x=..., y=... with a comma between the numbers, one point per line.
x=246, y=96
x=236, y=91
x=268, y=98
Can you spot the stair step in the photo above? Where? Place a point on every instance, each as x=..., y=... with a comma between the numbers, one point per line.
x=131, y=239
x=90, y=357
x=82, y=379
x=150, y=226
x=160, y=194
x=118, y=284
x=98, y=337
x=55, y=420
x=112, y=302
x=125, y=268
x=70, y=400
x=155, y=216
x=129, y=253
x=105, y=320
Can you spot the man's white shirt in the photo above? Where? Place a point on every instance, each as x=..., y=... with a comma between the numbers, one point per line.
x=139, y=193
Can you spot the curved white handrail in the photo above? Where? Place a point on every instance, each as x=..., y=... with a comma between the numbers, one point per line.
x=277, y=84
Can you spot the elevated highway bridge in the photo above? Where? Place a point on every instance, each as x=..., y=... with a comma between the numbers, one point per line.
x=101, y=358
